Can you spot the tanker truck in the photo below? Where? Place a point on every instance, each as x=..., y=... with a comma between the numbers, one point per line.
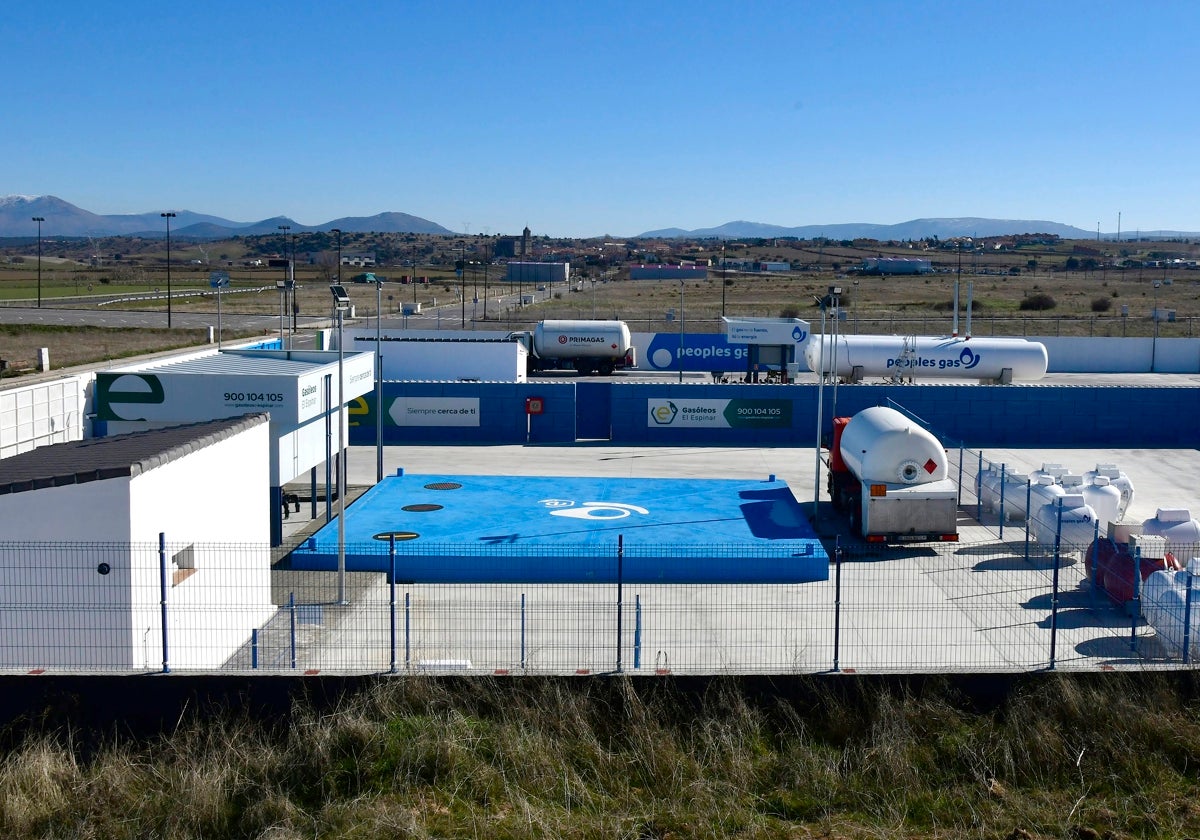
x=888, y=475
x=584, y=346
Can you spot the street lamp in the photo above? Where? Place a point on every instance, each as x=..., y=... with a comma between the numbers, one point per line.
x=1154, y=340
x=338, y=277
x=682, y=321
x=39, y=220
x=168, y=217
x=724, y=282
x=378, y=379
x=291, y=270
x=341, y=302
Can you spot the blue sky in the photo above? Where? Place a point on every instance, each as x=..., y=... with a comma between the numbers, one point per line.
x=591, y=118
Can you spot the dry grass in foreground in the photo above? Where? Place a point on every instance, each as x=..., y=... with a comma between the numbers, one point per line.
x=1106, y=756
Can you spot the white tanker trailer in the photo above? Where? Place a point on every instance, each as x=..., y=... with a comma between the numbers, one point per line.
x=851, y=357
x=889, y=475
x=585, y=346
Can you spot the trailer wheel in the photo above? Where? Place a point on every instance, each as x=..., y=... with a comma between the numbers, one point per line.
x=606, y=368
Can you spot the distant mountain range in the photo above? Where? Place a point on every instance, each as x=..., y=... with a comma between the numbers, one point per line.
x=915, y=229
x=65, y=219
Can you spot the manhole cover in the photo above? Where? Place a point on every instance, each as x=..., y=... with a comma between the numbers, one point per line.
x=422, y=508
x=401, y=536
x=443, y=485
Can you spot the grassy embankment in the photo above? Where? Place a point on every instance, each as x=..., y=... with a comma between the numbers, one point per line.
x=1086, y=756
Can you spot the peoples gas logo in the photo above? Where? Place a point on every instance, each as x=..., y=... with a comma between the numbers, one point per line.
x=966, y=360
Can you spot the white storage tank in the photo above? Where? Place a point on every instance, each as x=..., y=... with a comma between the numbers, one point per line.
x=1164, y=605
x=880, y=444
x=1181, y=532
x=1104, y=499
x=927, y=356
x=1117, y=479
x=1078, y=526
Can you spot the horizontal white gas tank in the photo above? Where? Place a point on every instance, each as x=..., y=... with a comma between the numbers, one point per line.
x=1075, y=531
x=1176, y=526
x=927, y=356
x=1117, y=479
x=880, y=444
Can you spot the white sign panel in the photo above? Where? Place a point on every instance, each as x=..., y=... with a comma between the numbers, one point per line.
x=435, y=411
x=778, y=331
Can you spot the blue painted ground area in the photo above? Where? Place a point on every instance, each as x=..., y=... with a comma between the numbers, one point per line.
x=523, y=529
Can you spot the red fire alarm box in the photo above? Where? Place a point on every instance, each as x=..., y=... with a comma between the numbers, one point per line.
x=535, y=405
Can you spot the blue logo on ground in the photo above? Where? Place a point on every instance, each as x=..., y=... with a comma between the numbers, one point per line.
x=968, y=358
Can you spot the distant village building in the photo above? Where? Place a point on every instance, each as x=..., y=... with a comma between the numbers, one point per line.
x=896, y=265
x=363, y=259
x=538, y=272
x=667, y=272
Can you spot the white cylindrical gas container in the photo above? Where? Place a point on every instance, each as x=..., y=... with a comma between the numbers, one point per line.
x=927, y=356
x=880, y=444
x=988, y=488
x=1164, y=605
x=1016, y=489
x=1177, y=527
x=1104, y=499
x=1055, y=471
x=1078, y=528
x=1117, y=479
x=582, y=339
x=1044, y=491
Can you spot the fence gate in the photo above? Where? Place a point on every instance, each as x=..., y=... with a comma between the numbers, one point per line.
x=593, y=411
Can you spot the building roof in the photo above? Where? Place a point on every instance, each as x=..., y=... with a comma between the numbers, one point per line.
x=131, y=454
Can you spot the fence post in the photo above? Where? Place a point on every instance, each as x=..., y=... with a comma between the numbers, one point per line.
x=1054, y=587
x=292, y=625
x=392, y=600
x=1003, y=477
x=1095, y=559
x=979, y=490
x=1135, y=605
x=620, y=592
x=837, y=602
x=1187, y=615
x=407, y=631
x=637, y=632
x=1028, y=515
x=254, y=648
x=162, y=597
x=522, y=631
x=960, y=471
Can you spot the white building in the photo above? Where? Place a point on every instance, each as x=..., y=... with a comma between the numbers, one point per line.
x=83, y=583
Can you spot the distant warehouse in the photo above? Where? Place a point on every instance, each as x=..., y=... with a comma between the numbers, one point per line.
x=538, y=272
x=667, y=272
x=896, y=265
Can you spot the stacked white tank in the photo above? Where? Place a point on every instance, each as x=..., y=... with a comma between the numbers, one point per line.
x=1178, y=529
x=1117, y=479
x=1164, y=605
x=999, y=484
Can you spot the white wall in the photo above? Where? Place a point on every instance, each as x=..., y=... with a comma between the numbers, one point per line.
x=1121, y=355
x=213, y=503
x=61, y=611
x=41, y=413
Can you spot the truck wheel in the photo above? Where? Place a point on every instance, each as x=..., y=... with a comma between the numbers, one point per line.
x=852, y=515
x=606, y=369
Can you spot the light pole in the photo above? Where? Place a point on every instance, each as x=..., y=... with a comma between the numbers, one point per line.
x=39, y=220
x=682, y=322
x=724, y=282
x=1154, y=340
x=338, y=277
x=378, y=379
x=168, y=217
x=289, y=275
x=462, y=281
x=341, y=302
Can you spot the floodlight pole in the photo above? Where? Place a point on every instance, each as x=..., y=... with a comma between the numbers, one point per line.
x=341, y=479
x=168, y=217
x=39, y=220
x=682, y=322
x=378, y=379
x=820, y=413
